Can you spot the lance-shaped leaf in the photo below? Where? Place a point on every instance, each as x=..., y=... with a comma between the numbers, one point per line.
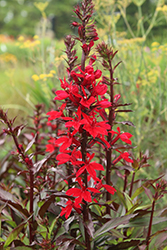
x=13, y=203
x=31, y=143
x=147, y=184
x=15, y=232
x=113, y=224
x=140, y=222
x=124, y=245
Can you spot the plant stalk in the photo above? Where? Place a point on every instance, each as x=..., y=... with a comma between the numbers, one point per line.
x=109, y=152
x=131, y=185
x=31, y=205
x=150, y=225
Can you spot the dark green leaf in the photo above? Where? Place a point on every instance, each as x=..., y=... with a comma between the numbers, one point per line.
x=124, y=245
x=15, y=232
x=45, y=206
x=113, y=224
x=140, y=222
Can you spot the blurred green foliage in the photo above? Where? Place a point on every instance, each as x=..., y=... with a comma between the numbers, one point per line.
x=21, y=17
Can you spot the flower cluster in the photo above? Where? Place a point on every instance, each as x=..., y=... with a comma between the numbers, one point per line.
x=82, y=114
x=43, y=76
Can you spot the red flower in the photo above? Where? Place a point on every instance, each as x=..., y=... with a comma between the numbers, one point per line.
x=74, y=158
x=51, y=146
x=124, y=136
x=124, y=155
x=109, y=189
x=103, y=104
x=95, y=128
x=53, y=126
x=87, y=102
x=88, y=76
x=63, y=158
x=77, y=122
x=66, y=142
x=90, y=167
x=99, y=89
x=81, y=193
x=67, y=210
x=56, y=114
x=86, y=48
x=61, y=94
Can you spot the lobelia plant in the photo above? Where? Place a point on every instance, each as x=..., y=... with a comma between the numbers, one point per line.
x=86, y=122
x=72, y=196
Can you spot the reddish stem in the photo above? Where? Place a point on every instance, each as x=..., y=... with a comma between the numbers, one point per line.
x=31, y=180
x=31, y=205
x=109, y=152
x=150, y=225
x=125, y=180
x=131, y=185
x=83, y=151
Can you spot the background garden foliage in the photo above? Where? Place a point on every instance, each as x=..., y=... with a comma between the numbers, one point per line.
x=35, y=64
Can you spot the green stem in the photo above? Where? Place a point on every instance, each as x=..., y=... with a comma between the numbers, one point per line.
x=123, y=12
x=152, y=22
x=43, y=47
x=141, y=20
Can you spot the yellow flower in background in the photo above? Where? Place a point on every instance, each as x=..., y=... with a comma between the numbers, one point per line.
x=52, y=72
x=36, y=43
x=154, y=49
x=159, y=9
x=7, y=57
x=21, y=38
x=49, y=75
x=42, y=76
x=164, y=8
x=36, y=37
x=28, y=44
x=35, y=77
x=41, y=6
x=154, y=44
